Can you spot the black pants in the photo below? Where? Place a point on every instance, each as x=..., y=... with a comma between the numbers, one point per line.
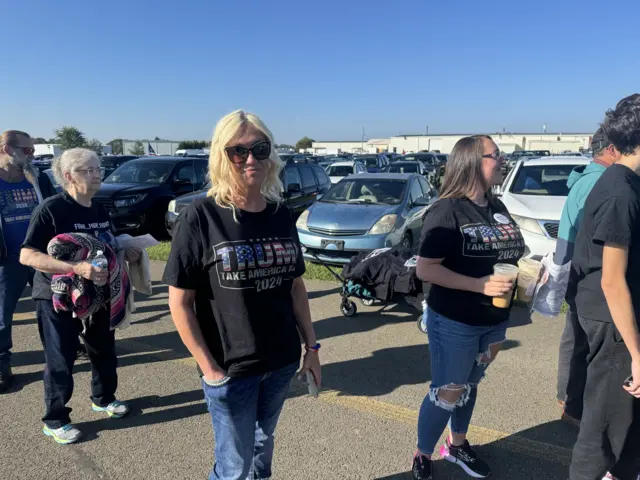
x=609, y=438
x=572, y=365
x=59, y=334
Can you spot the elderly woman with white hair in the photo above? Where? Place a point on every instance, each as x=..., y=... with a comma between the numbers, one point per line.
x=72, y=212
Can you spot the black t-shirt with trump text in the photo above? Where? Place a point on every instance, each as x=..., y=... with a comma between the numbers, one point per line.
x=242, y=272
x=62, y=214
x=471, y=240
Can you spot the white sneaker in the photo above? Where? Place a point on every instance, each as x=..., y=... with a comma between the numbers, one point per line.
x=115, y=409
x=63, y=435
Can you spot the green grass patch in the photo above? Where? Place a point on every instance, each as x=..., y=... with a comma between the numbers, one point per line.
x=314, y=271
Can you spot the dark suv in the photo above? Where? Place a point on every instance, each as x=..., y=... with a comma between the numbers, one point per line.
x=110, y=162
x=303, y=184
x=138, y=193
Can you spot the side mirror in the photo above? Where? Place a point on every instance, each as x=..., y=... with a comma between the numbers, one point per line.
x=181, y=182
x=421, y=202
x=294, y=188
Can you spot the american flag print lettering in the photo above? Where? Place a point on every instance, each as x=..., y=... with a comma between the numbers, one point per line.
x=502, y=242
x=258, y=264
x=17, y=204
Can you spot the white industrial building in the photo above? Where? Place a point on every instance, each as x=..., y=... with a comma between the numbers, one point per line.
x=160, y=147
x=507, y=142
x=373, y=145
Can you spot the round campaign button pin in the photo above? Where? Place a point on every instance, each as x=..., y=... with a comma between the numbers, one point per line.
x=501, y=218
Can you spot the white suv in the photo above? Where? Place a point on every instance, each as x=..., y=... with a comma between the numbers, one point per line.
x=339, y=170
x=534, y=192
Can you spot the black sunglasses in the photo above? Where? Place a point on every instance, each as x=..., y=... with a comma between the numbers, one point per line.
x=240, y=154
x=497, y=155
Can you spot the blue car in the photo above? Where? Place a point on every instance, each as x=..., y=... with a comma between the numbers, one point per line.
x=365, y=212
x=373, y=163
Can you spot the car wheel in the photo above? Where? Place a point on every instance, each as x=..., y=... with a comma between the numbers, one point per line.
x=406, y=243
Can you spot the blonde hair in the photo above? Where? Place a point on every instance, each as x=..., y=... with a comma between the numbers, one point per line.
x=463, y=173
x=225, y=180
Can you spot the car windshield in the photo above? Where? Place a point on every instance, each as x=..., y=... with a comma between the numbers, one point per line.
x=542, y=180
x=369, y=161
x=375, y=191
x=402, y=168
x=141, y=172
x=426, y=159
x=339, y=170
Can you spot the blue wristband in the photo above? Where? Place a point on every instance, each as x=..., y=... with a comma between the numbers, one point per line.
x=315, y=348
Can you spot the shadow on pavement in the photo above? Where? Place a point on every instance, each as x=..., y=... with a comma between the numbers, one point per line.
x=376, y=375
x=322, y=293
x=137, y=417
x=511, y=458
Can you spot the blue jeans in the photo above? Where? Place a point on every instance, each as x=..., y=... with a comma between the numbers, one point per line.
x=13, y=278
x=460, y=355
x=244, y=412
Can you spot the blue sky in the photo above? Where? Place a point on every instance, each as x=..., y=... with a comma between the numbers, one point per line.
x=140, y=69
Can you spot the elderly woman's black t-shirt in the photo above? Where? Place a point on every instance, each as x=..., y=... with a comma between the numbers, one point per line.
x=62, y=214
x=242, y=272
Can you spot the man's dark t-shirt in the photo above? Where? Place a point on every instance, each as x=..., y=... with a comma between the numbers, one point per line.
x=62, y=214
x=242, y=273
x=611, y=215
x=471, y=239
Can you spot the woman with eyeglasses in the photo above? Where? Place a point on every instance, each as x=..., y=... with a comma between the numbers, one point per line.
x=237, y=297
x=71, y=212
x=465, y=234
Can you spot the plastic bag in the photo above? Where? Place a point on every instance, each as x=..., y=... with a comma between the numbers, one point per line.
x=552, y=289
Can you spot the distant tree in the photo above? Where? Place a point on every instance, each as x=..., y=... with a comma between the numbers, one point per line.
x=304, y=142
x=37, y=140
x=116, y=146
x=156, y=139
x=186, y=144
x=70, y=137
x=137, y=149
x=95, y=145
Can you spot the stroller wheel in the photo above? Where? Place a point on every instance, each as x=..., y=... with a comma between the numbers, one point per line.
x=348, y=308
x=367, y=302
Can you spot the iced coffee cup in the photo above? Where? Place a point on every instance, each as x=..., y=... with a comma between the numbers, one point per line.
x=529, y=271
x=509, y=272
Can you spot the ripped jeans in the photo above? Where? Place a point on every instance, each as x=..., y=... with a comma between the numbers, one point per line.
x=460, y=355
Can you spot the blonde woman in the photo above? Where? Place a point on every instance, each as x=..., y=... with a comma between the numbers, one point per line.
x=465, y=233
x=236, y=258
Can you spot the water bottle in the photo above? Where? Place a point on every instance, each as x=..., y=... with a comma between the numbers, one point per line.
x=100, y=261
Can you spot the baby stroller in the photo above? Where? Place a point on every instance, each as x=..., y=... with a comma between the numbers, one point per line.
x=380, y=275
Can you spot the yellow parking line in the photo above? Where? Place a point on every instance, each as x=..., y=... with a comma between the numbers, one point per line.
x=24, y=316
x=478, y=435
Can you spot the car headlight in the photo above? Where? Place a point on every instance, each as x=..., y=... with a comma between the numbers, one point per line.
x=528, y=224
x=172, y=206
x=128, y=201
x=301, y=223
x=384, y=225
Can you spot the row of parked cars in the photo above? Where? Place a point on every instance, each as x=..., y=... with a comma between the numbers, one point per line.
x=343, y=209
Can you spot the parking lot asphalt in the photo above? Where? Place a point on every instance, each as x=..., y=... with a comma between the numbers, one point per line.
x=363, y=425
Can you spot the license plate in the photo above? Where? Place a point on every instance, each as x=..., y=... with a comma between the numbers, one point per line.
x=339, y=244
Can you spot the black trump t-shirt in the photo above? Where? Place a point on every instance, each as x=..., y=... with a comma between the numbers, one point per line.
x=62, y=214
x=471, y=239
x=242, y=272
x=611, y=215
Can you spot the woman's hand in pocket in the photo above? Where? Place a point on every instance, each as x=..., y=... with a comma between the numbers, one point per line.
x=213, y=376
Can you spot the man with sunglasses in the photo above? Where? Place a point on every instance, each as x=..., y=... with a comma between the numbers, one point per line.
x=22, y=187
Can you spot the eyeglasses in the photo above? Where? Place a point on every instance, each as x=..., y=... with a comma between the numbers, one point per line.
x=239, y=154
x=92, y=172
x=25, y=150
x=497, y=155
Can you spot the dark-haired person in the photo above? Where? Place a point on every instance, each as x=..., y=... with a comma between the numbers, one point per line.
x=465, y=234
x=237, y=297
x=22, y=188
x=574, y=345
x=605, y=269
